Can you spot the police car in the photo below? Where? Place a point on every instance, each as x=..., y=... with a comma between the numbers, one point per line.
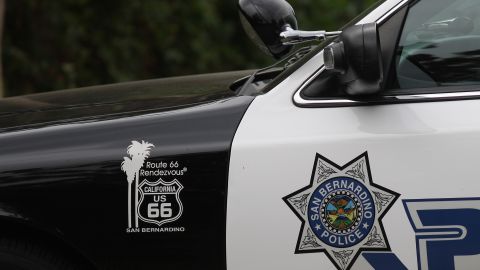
x=358, y=152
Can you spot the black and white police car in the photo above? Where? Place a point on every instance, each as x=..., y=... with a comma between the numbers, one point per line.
x=360, y=152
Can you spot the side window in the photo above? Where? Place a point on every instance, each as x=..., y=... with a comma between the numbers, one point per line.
x=439, y=45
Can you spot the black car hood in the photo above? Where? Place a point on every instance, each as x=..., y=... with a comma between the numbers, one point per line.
x=115, y=100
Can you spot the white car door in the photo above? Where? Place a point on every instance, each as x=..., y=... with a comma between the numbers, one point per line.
x=389, y=182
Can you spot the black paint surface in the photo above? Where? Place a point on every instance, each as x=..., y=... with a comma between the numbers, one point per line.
x=64, y=180
x=115, y=100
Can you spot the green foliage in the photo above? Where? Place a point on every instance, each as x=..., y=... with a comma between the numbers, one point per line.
x=52, y=45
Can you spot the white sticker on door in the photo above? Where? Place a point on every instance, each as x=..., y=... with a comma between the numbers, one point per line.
x=154, y=190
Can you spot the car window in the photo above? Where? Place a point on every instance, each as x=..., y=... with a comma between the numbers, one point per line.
x=439, y=45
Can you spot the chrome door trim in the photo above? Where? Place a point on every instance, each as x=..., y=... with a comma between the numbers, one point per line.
x=392, y=11
x=300, y=101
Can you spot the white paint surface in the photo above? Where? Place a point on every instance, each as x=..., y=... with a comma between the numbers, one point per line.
x=421, y=150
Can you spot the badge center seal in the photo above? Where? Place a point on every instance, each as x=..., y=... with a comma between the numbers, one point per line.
x=342, y=212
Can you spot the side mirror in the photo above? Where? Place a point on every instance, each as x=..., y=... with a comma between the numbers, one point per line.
x=357, y=58
x=264, y=20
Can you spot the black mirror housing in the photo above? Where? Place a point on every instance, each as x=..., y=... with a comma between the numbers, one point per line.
x=357, y=56
x=264, y=20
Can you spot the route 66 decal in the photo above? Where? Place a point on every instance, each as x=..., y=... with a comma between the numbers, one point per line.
x=153, y=201
x=160, y=201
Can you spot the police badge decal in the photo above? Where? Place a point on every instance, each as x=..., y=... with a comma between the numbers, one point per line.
x=156, y=202
x=341, y=211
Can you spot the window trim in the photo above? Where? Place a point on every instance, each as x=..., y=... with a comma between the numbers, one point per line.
x=469, y=92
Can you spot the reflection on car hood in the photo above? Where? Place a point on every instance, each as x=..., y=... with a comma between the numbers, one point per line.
x=115, y=100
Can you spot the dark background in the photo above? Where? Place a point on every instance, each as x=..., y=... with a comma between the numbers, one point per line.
x=50, y=45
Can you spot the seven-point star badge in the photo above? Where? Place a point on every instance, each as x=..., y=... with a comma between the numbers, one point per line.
x=341, y=211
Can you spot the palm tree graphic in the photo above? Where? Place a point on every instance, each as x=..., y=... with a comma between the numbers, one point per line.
x=131, y=166
x=129, y=169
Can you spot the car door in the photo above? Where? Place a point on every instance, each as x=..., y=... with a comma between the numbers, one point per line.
x=383, y=182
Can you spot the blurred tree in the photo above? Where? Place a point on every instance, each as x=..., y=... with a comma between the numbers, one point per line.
x=64, y=44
